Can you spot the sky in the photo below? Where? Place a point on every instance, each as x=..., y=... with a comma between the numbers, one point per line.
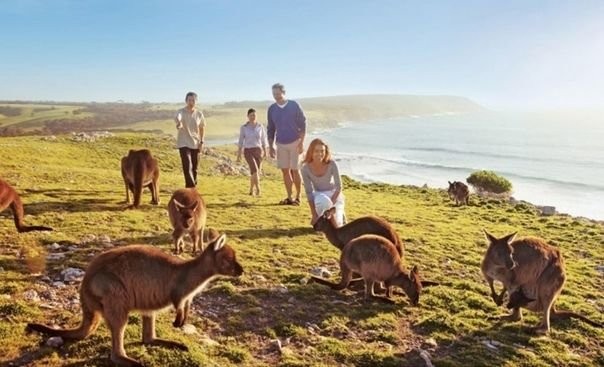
x=501, y=54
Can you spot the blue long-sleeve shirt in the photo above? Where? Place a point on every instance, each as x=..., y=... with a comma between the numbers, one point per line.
x=285, y=124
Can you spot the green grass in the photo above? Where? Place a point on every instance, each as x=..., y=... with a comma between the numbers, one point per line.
x=30, y=118
x=77, y=189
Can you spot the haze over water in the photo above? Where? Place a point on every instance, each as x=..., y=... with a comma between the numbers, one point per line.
x=549, y=160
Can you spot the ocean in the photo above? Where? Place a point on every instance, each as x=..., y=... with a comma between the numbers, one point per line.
x=557, y=161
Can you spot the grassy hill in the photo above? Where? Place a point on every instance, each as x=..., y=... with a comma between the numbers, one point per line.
x=77, y=188
x=223, y=119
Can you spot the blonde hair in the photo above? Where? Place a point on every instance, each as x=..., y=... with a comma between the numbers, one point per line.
x=311, y=148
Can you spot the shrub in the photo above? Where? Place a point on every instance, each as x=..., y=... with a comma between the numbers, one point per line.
x=489, y=181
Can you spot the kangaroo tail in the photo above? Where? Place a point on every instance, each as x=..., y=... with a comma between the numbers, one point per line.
x=139, y=170
x=565, y=315
x=89, y=324
x=17, y=209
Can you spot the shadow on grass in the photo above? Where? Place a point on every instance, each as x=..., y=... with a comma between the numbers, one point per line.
x=28, y=357
x=301, y=306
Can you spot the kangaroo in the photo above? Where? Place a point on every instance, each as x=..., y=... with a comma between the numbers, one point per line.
x=530, y=266
x=9, y=197
x=340, y=236
x=459, y=192
x=377, y=260
x=188, y=214
x=145, y=279
x=518, y=299
x=140, y=169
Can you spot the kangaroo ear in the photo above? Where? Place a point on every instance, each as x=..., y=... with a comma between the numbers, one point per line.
x=489, y=236
x=195, y=206
x=220, y=241
x=415, y=269
x=428, y=283
x=449, y=183
x=178, y=205
x=510, y=237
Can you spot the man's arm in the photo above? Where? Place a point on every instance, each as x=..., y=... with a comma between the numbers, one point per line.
x=270, y=131
x=301, y=125
x=202, y=130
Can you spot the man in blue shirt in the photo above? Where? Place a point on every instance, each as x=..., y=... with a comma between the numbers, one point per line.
x=287, y=127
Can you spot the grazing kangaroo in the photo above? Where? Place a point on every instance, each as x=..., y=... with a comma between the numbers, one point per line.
x=140, y=169
x=143, y=278
x=377, y=260
x=535, y=269
x=459, y=192
x=188, y=215
x=340, y=236
x=9, y=197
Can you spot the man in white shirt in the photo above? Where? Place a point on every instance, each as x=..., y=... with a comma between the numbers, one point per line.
x=189, y=140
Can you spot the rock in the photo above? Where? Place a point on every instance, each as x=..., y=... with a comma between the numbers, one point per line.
x=431, y=343
x=600, y=268
x=281, y=289
x=55, y=256
x=46, y=279
x=277, y=345
x=426, y=357
x=1, y=269
x=303, y=281
x=54, y=342
x=259, y=278
x=425, y=186
x=31, y=295
x=321, y=272
x=72, y=274
x=547, y=210
x=490, y=345
x=189, y=329
x=104, y=239
x=58, y=284
x=208, y=341
x=88, y=239
x=291, y=300
x=54, y=247
x=73, y=248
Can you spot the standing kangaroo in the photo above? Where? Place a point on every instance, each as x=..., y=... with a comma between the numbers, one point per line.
x=459, y=192
x=188, y=215
x=9, y=197
x=377, y=260
x=140, y=169
x=145, y=279
x=533, y=272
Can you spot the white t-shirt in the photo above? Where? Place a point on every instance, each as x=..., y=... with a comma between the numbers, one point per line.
x=188, y=135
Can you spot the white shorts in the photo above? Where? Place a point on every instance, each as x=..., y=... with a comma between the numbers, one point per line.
x=322, y=200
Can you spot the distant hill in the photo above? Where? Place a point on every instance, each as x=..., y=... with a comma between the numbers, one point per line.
x=27, y=118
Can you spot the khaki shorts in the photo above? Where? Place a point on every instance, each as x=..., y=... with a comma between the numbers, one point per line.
x=287, y=155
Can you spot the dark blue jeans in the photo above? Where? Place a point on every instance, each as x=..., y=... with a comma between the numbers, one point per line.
x=190, y=159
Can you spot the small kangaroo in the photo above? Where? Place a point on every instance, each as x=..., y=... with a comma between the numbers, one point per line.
x=459, y=192
x=534, y=269
x=340, y=236
x=140, y=169
x=9, y=197
x=188, y=215
x=518, y=299
x=145, y=279
x=377, y=260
